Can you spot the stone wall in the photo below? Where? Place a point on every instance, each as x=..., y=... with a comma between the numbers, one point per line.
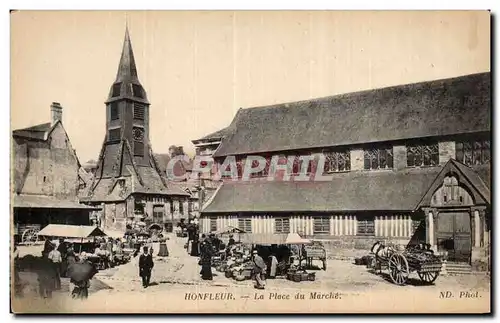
x=46, y=168
x=360, y=243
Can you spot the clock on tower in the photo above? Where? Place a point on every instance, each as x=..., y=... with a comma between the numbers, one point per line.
x=138, y=134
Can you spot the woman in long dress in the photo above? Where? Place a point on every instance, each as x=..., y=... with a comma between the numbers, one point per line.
x=195, y=246
x=206, y=261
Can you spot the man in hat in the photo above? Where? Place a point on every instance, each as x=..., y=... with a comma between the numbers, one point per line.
x=259, y=269
x=145, y=266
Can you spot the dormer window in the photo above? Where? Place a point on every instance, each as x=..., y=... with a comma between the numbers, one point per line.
x=116, y=89
x=137, y=91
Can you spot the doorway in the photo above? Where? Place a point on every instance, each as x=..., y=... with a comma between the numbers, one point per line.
x=454, y=235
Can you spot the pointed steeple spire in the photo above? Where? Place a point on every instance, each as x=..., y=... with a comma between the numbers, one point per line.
x=127, y=70
x=127, y=85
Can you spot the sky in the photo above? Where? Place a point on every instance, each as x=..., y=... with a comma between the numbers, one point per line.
x=199, y=67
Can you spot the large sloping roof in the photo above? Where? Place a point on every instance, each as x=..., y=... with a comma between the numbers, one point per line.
x=469, y=178
x=45, y=201
x=71, y=231
x=475, y=180
x=363, y=191
x=116, y=164
x=217, y=135
x=37, y=132
x=441, y=107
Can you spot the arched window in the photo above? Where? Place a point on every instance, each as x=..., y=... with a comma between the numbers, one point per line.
x=451, y=191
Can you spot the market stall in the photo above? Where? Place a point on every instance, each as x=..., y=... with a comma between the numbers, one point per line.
x=285, y=248
x=82, y=233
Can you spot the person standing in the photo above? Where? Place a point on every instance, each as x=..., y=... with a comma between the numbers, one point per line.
x=80, y=288
x=191, y=230
x=47, y=247
x=259, y=270
x=274, y=266
x=206, y=261
x=145, y=266
x=195, y=246
x=46, y=276
x=231, y=241
x=110, y=253
x=63, y=250
x=56, y=259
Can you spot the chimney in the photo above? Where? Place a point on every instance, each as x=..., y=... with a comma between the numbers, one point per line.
x=56, y=111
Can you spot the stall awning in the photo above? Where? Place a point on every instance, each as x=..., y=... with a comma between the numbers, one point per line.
x=295, y=238
x=269, y=239
x=71, y=231
x=230, y=229
x=263, y=238
x=47, y=202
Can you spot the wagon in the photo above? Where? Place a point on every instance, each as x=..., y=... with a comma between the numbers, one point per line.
x=27, y=234
x=420, y=259
x=316, y=250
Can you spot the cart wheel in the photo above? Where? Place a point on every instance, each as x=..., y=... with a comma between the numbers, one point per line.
x=429, y=276
x=398, y=269
x=228, y=274
x=30, y=236
x=296, y=278
x=324, y=264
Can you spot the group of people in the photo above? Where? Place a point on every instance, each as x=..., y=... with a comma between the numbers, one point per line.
x=58, y=260
x=210, y=245
x=58, y=257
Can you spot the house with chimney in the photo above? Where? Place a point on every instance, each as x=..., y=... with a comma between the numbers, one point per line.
x=47, y=178
x=128, y=183
x=404, y=164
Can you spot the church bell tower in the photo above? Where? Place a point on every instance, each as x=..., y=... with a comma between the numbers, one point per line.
x=127, y=108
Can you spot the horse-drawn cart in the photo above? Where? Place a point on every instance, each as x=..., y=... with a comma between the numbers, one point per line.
x=420, y=259
x=26, y=234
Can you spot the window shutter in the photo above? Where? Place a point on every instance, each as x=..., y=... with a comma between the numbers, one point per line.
x=114, y=135
x=114, y=111
x=139, y=111
x=138, y=148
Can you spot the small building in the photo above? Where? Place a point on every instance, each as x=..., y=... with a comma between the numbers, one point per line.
x=206, y=147
x=128, y=183
x=47, y=177
x=409, y=162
